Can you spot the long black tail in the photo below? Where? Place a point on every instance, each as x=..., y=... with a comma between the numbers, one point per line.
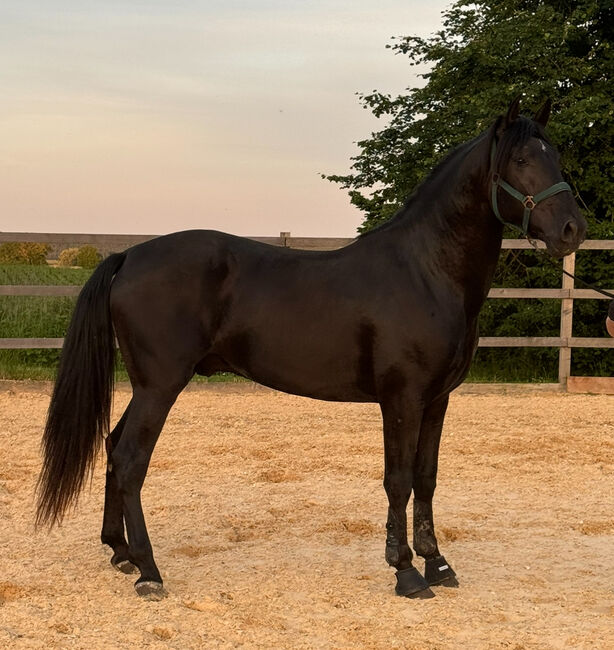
x=79, y=412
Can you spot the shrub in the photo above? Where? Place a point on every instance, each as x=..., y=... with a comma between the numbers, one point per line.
x=68, y=257
x=24, y=253
x=88, y=257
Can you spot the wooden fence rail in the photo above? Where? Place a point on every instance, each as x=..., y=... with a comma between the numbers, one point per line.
x=567, y=294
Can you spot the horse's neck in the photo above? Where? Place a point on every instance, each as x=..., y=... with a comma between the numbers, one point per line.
x=450, y=231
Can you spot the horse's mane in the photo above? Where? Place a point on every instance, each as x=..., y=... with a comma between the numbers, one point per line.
x=515, y=135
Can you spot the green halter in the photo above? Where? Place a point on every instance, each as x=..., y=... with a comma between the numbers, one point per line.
x=528, y=201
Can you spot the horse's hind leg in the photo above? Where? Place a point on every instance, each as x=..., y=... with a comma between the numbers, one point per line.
x=148, y=411
x=402, y=417
x=437, y=570
x=113, y=519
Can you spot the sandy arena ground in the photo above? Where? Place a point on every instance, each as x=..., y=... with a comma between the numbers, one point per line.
x=267, y=513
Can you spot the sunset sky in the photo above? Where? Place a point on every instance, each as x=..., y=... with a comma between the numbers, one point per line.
x=151, y=117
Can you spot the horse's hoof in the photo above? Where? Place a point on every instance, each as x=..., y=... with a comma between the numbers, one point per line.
x=150, y=590
x=125, y=566
x=438, y=572
x=410, y=583
x=422, y=595
x=448, y=582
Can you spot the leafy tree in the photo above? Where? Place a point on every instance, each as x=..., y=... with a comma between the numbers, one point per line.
x=88, y=257
x=68, y=257
x=24, y=253
x=486, y=53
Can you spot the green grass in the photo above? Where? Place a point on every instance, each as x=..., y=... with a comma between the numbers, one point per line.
x=15, y=364
x=49, y=275
x=515, y=365
x=34, y=316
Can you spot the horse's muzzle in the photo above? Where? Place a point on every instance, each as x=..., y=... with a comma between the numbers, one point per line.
x=571, y=235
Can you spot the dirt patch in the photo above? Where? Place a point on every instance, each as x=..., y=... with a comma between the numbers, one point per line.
x=267, y=513
x=10, y=591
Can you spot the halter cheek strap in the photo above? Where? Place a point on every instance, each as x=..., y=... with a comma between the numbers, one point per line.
x=529, y=202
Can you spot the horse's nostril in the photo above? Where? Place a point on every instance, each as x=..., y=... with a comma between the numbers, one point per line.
x=570, y=231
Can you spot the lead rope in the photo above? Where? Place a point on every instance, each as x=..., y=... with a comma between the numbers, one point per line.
x=570, y=275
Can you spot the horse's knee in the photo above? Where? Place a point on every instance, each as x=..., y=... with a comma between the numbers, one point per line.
x=398, y=486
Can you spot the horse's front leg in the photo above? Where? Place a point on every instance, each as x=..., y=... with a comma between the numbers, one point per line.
x=436, y=570
x=402, y=418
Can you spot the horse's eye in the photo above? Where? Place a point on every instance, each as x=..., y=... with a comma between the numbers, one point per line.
x=521, y=161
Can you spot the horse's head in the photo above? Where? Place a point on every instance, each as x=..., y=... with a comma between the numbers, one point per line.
x=526, y=187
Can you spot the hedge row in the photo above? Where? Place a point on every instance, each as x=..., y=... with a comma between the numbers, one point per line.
x=31, y=253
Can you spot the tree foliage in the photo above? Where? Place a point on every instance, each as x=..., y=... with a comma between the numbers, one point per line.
x=88, y=257
x=68, y=257
x=24, y=253
x=486, y=53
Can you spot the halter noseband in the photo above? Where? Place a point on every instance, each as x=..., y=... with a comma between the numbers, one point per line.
x=528, y=201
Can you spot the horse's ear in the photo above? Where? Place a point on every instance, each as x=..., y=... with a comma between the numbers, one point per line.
x=542, y=115
x=513, y=111
x=504, y=121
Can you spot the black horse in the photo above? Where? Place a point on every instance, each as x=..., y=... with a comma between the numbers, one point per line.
x=391, y=318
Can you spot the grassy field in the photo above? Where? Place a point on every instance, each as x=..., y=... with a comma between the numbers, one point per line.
x=49, y=275
x=33, y=316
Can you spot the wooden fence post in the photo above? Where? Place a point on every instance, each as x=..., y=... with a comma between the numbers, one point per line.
x=284, y=236
x=569, y=265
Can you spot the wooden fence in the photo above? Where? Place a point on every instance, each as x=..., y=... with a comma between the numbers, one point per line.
x=567, y=294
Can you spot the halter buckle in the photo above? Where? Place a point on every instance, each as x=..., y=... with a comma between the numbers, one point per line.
x=528, y=202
